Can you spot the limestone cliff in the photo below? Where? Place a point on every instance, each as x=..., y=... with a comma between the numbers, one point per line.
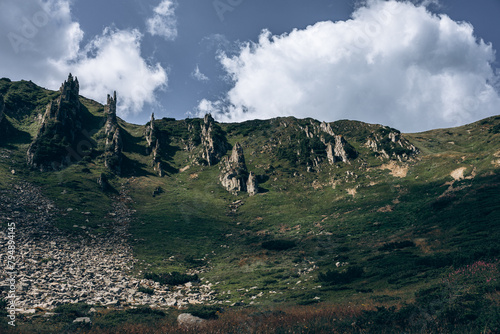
x=234, y=175
x=213, y=142
x=61, y=127
x=113, y=154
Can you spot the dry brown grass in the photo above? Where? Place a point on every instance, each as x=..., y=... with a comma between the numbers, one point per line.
x=298, y=319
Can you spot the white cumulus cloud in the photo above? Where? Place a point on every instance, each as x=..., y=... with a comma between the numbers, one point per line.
x=43, y=43
x=164, y=22
x=113, y=61
x=393, y=63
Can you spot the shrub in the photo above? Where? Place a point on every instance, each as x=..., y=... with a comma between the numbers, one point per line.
x=205, y=311
x=343, y=277
x=397, y=245
x=495, y=129
x=173, y=278
x=278, y=245
x=144, y=315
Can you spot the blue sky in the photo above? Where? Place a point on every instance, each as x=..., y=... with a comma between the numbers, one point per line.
x=389, y=62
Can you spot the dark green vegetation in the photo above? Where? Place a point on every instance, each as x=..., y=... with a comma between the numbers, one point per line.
x=376, y=231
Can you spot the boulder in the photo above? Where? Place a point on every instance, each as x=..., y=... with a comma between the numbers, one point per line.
x=189, y=320
x=85, y=320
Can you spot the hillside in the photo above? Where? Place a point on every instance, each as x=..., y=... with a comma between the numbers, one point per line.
x=261, y=214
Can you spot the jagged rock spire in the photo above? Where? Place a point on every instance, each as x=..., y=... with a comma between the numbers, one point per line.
x=340, y=150
x=113, y=152
x=110, y=111
x=234, y=176
x=154, y=145
x=62, y=119
x=70, y=89
x=214, y=145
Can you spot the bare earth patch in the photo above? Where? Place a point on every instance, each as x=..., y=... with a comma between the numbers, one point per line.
x=387, y=208
x=458, y=174
x=184, y=169
x=396, y=170
x=352, y=192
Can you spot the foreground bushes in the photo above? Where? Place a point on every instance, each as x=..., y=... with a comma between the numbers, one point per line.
x=342, y=277
x=173, y=278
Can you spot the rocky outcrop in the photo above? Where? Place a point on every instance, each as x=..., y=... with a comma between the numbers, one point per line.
x=113, y=154
x=337, y=147
x=59, y=132
x=340, y=150
x=252, y=185
x=389, y=143
x=213, y=142
x=234, y=175
x=154, y=146
x=325, y=127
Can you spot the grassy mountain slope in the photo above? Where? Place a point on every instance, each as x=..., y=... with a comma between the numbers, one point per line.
x=372, y=231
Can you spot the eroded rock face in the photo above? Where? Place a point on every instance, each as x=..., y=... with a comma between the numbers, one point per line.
x=154, y=146
x=114, y=146
x=214, y=144
x=337, y=147
x=390, y=144
x=340, y=150
x=252, y=185
x=61, y=127
x=234, y=175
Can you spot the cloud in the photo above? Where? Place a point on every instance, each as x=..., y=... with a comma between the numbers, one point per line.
x=43, y=43
x=198, y=75
x=113, y=61
x=164, y=22
x=393, y=63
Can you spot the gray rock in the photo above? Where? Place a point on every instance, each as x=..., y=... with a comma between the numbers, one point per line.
x=189, y=320
x=85, y=320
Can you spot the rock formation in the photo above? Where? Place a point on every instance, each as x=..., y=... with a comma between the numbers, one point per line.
x=337, y=148
x=61, y=126
x=154, y=146
x=252, y=186
x=113, y=154
x=189, y=320
x=234, y=175
x=340, y=150
x=388, y=143
x=213, y=142
x=325, y=127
